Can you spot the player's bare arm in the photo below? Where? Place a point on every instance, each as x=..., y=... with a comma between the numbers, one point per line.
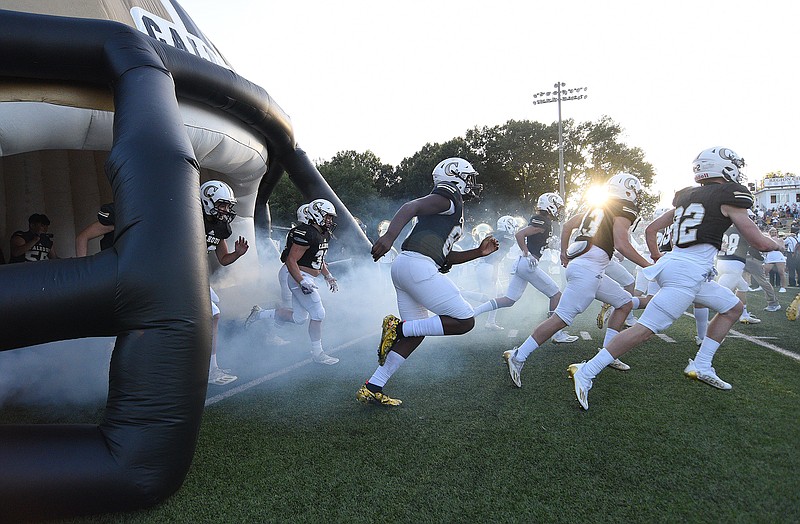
x=622, y=242
x=487, y=246
x=651, y=233
x=427, y=205
x=523, y=233
x=749, y=230
x=566, y=232
x=226, y=257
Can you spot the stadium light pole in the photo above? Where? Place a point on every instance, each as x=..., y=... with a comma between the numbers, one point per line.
x=560, y=94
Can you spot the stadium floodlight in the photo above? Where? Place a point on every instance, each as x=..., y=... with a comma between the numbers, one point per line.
x=558, y=96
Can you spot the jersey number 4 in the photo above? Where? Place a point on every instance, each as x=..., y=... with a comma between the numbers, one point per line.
x=685, y=224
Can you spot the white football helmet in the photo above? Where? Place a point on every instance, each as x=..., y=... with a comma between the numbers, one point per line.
x=461, y=173
x=214, y=193
x=383, y=227
x=624, y=186
x=322, y=213
x=552, y=203
x=480, y=232
x=718, y=162
x=508, y=224
x=302, y=214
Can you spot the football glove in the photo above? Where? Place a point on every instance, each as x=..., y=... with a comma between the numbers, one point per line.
x=307, y=286
x=332, y=283
x=532, y=261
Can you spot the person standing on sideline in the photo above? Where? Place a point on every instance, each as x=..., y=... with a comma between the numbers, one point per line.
x=35, y=244
x=304, y=258
x=418, y=273
x=532, y=241
x=218, y=204
x=776, y=261
x=700, y=217
x=792, y=257
x=601, y=229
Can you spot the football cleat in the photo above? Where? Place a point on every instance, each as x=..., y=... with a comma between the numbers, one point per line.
x=708, y=376
x=619, y=365
x=368, y=397
x=514, y=366
x=220, y=377
x=782, y=290
x=254, y=316
x=791, y=311
x=749, y=319
x=772, y=308
x=324, y=358
x=582, y=385
x=562, y=337
x=601, y=317
x=388, y=336
x=491, y=326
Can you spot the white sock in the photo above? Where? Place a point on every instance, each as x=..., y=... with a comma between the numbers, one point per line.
x=213, y=361
x=610, y=334
x=706, y=353
x=486, y=306
x=385, y=372
x=267, y=313
x=636, y=303
x=597, y=363
x=744, y=312
x=492, y=317
x=316, y=347
x=525, y=350
x=431, y=326
x=701, y=320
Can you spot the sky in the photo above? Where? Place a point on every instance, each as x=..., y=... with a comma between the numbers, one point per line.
x=391, y=76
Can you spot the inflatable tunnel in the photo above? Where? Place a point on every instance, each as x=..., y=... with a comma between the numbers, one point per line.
x=92, y=110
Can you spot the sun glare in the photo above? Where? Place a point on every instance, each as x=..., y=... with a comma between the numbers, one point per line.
x=595, y=195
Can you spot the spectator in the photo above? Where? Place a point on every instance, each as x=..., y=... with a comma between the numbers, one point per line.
x=35, y=244
x=776, y=260
x=792, y=256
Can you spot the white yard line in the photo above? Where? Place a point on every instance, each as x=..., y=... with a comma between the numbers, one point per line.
x=275, y=374
x=759, y=342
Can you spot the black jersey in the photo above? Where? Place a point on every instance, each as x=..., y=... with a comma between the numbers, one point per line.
x=537, y=242
x=734, y=246
x=216, y=231
x=39, y=251
x=317, y=242
x=434, y=235
x=597, y=225
x=698, y=212
x=106, y=216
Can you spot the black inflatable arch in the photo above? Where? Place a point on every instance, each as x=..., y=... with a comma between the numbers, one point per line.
x=150, y=290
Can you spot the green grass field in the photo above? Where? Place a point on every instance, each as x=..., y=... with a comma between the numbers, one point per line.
x=467, y=446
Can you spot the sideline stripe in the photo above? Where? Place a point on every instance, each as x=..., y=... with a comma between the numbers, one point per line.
x=253, y=383
x=754, y=340
x=665, y=338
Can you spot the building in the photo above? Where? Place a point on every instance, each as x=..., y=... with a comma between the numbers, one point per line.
x=773, y=192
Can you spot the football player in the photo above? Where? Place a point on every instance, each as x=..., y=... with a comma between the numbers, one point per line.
x=418, y=272
x=218, y=204
x=487, y=268
x=532, y=241
x=304, y=258
x=700, y=217
x=600, y=230
x=730, y=266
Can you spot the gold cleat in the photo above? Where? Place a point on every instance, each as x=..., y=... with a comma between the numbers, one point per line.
x=368, y=397
x=388, y=337
x=791, y=311
x=601, y=317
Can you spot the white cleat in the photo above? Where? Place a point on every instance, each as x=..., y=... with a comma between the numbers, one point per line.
x=619, y=365
x=220, y=377
x=562, y=337
x=491, y=326
x=582, y=385
x=749, y=319
x=324, y=358
x=773, y=308
x=514, y=366
x=709, y=376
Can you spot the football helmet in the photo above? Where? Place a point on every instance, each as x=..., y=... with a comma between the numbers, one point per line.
x=552, y=203
x=718, y=162
x=459, y=172
x=383, y=227
x=302, y=214
x=212, y=194
x=624, y=186
x=508, y=224
x=480, y=232
x=322, y=213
